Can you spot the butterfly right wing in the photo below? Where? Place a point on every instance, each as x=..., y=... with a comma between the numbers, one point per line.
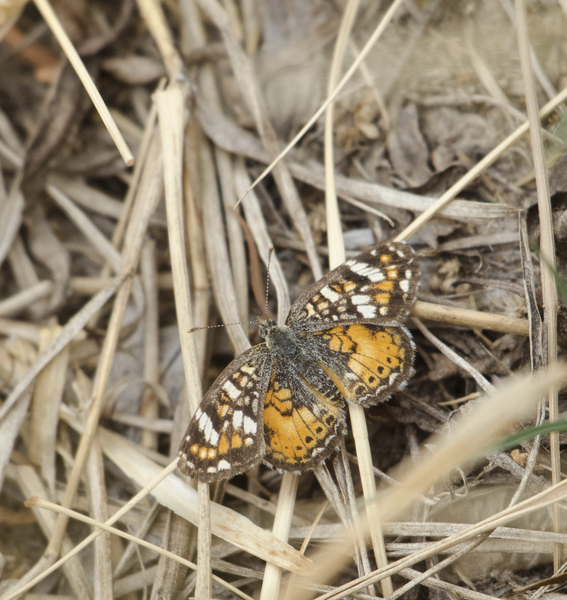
x=225, y=435
x=378, y=286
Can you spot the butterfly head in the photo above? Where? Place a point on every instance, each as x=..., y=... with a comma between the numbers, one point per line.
x=267, y=328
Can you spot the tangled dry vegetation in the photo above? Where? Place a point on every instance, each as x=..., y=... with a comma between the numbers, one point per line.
x=105, y=267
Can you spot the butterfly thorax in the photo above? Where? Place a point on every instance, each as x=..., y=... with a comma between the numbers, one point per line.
x=279, y=338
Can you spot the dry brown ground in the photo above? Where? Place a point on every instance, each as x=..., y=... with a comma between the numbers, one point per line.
x=102, y=275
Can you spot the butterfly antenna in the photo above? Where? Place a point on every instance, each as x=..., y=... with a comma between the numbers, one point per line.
x=221, y=325
x=270, y=252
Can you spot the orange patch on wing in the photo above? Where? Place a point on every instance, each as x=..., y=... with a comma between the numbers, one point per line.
x=385, y=286
x=236, y=441
x=224, y=446
x=382, y=298
x=222, y=409
x=386, y=258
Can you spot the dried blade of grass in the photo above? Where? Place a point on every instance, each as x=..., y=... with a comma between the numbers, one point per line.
x=47, y=395
x=466, y=439
x=182, y=499
x=36, y=502
x=31, y=485
x=235, y=234
x=217, y=252
x=483, y=383
x=549, y=290
x=437, y=529
x=479, y=241
x=20, y=329
x=470, y=318
x=197, y=256
x=21, y=300
x=259, y=230
x=54, y=24
x=157, y=24
x=170, y=110
x=250, y=90
x=99, y=511
x=280, y=530
x=388, y=16
x=486, y=546
x=337, y=257
x=11, y=211
x=96, y=493
x=536, y=350
x=86, y=226
x=150, y=406
x=479, y=168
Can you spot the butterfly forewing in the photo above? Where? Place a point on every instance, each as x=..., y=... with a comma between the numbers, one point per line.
x=225, y=435
x=378, y=286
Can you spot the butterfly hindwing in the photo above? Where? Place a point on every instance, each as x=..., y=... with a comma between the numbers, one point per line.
x=366, y=362
x=301, y=426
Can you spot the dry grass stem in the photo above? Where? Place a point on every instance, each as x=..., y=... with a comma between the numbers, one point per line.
x=51, y=19
x=548, y=284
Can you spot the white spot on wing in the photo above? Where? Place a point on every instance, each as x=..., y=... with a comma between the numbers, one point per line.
x=223, y=465
x=408, y=274
x=360, y=299
x=249, y=426
x=329, y=294
x=367, y=311
x=383, y=310
x=237, y=419
x=208, y=430
x=357, y=267
x=231, y=390
x=214, y=438
x=204, y=419
x=404, y=284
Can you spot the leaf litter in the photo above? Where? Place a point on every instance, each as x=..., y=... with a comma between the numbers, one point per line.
x=440, y=89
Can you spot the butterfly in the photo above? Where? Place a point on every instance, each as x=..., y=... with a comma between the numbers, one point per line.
x=283, y=400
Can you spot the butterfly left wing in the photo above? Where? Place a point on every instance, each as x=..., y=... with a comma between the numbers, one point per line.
x=224, y=437
x=366, y=362
x=378, y=286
